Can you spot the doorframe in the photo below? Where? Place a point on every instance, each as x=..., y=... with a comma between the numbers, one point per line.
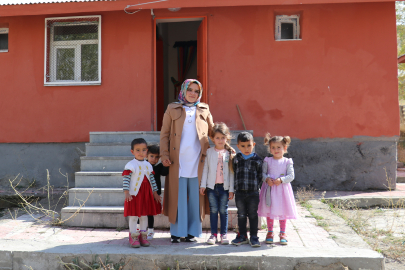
x=205, y=46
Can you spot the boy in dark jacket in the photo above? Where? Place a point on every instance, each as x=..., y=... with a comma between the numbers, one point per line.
x=247, y=167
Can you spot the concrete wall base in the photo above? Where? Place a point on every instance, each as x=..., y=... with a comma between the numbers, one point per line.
x=28, y=162
x=360, y=163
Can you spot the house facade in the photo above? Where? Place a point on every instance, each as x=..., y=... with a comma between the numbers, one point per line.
x=322, y=72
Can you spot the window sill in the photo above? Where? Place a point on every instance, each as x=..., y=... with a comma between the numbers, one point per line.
x=3, y=51
x=72, y=84
x=288, y=39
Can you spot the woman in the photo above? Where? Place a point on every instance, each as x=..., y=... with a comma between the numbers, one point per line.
x=183, y=147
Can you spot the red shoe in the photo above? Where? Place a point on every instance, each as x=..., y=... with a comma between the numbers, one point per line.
x=143, y=238
x=134, y=240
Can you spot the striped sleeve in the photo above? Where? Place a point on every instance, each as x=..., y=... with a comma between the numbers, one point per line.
x=153, y=182
x=126, y=179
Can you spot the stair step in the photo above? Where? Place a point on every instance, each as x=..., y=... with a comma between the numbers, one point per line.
x=104, y=197
x=98, y=179
x=104, y=164
x=118, y=149
x=149, y=136
x=124, y=136
x=113, y=217
x=96, y=196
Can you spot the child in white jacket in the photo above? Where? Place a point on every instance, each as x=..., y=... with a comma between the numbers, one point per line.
x=217, y=178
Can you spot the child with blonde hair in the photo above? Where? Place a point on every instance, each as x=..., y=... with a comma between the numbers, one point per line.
x=217, y=179
x=276, y=195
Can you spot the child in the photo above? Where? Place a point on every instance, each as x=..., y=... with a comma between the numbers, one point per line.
x=276, y=196
x=247, y=167
x=141, y=197
x=159, y=170
x=217, y=178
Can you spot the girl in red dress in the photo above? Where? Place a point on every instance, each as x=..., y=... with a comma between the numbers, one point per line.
x=141, y=197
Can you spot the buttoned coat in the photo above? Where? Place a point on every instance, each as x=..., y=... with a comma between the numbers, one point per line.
x=170, y=137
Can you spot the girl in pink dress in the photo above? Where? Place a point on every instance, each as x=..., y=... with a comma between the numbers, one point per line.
x=276, y=195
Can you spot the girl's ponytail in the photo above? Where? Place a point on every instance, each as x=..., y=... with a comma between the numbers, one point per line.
x=287, y=140
x=267, y=139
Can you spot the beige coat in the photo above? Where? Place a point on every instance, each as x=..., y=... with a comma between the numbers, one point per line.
x=170, y=136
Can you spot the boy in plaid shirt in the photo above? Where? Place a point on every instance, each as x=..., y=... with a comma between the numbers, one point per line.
x=247, y=167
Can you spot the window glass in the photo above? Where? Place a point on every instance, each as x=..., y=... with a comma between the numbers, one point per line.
x=287, y=31
x=65, y=64
x=89, y=62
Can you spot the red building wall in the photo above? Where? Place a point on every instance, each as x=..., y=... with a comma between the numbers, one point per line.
x=338, y=81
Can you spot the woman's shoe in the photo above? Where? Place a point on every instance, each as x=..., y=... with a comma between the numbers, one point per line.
x=190, y=238
x=283, y=238
x=134, y=240
x=143, y=238
x=175, y=239
x=269, y=238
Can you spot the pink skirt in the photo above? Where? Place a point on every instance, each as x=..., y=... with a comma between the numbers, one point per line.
x=282, y=202
x=143, y=204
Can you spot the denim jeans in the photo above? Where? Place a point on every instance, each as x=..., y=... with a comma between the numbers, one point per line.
x=218, y=198
x=247, y=203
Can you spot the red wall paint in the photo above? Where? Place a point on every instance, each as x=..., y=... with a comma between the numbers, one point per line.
x=338, y=81
x=32, y=112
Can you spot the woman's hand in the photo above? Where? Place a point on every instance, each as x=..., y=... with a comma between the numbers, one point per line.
x=128, y=197
x=202, y=191
x=166, y=163
x=231, y=194
x=277, y=182
x=157, y=197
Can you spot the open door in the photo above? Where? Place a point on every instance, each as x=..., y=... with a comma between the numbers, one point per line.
x=202, y=58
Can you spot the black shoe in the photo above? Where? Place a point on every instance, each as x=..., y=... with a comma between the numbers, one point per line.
x=254, y=241
x=239, y=240
x=175, y=239
x=190, y=238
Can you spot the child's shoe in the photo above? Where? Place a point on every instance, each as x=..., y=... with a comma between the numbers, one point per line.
x=134, y=240
x=143, y=239
x=212, y=240
x=239, y=240
x=224, y=239
x=269, y=238
x=151, y=233
x=283, y=238
x=254, y=241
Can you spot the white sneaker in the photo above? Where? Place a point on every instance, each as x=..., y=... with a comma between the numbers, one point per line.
x=151, y=233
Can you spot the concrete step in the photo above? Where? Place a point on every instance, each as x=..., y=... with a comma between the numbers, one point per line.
x=124, y=136
x=96, y=197
x=117, y=149
x=128, y=136
x=113, y=217
x=104, y=164
x=91, y=196
x=98, y=179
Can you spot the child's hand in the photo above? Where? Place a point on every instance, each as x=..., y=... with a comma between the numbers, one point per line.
x=166, y=163
x=231, y=194
x=269, y=181
x=202, y=191
x=157, y=197
x=277, y=181
x=128, y=197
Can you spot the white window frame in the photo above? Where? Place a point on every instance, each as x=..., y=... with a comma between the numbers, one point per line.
x=4, y=31
x=294, y=20
x=54, y=45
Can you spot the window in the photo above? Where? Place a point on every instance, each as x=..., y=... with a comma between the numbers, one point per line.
x=287, y=27
x=73, y=51
x=3, y=39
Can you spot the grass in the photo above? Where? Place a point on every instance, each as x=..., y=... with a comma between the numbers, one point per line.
x=96, y=264
x=383, y=228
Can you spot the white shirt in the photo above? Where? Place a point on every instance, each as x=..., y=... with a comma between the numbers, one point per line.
x=190, y=146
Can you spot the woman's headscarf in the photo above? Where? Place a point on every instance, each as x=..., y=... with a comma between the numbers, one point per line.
x=183, y=91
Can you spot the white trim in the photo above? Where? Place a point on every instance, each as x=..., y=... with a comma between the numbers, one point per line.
x=294, y=20
x=77, y=46
x=3, y=51
x=4, y=31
